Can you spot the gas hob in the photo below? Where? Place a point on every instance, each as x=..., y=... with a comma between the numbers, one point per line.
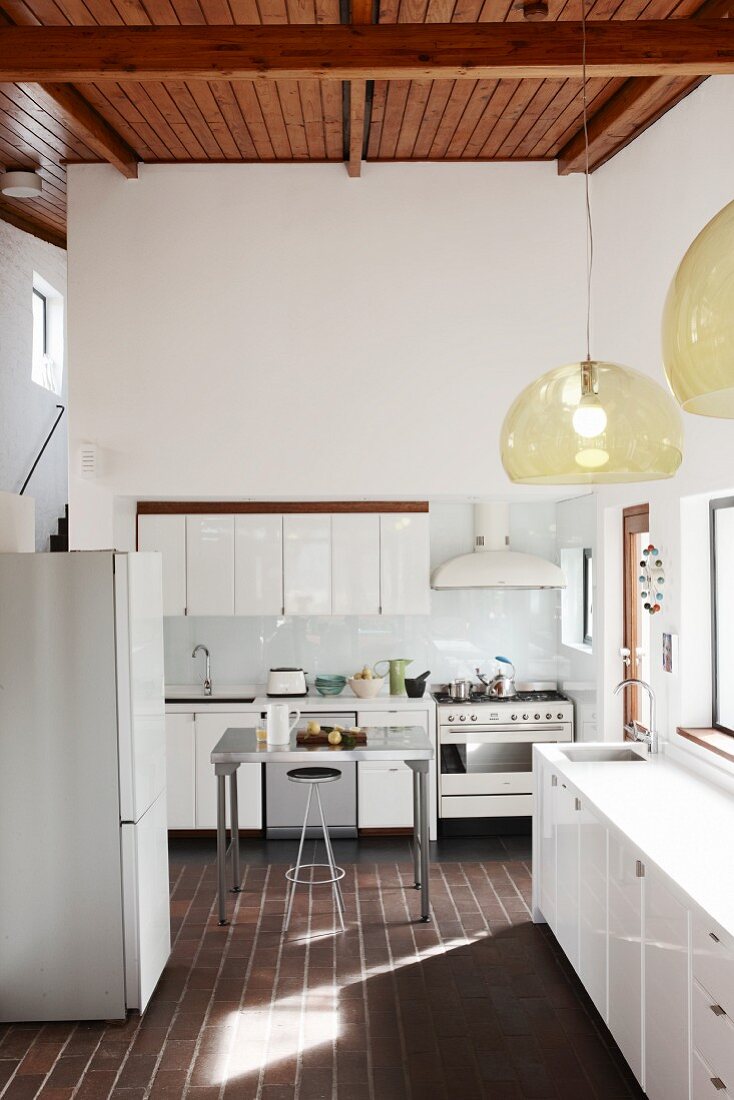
x=527, y=709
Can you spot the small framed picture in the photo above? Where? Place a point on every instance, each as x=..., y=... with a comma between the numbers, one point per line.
x=670, y=653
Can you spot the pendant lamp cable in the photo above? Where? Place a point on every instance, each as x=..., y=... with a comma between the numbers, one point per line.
x=589, y=225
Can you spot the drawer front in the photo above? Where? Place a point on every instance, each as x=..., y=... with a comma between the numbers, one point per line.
x=488, y=783
x=713, y=1034
x=501, y=805
x=705, y=1085
x=713, y=961
x=385, y=791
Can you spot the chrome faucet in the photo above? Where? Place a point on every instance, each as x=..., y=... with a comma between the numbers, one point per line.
x=207, y=671
x=647, y=737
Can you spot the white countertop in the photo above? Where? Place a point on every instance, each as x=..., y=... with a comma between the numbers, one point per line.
x=234, y=696
x=676, y=819
x=239, y=746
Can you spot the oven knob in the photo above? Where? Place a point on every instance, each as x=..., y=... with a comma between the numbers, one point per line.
x=514, y=717
x=525, y=717
x=537, y=717
x=451, y=718
x=559, y=717
x=462, y=718
x=473, y=717
x=548, y=717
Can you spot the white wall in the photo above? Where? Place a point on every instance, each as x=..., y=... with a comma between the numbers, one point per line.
x=576, y=530
x=464, y=629
x=27, y=411
x=284, y=331
x=649, y=203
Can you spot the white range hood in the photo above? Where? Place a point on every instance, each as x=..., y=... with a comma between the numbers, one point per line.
x=493, y=564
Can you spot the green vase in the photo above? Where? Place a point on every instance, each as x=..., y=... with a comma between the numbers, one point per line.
x=397, y=668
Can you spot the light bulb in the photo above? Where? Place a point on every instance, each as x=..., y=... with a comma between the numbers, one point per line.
x=589, y=418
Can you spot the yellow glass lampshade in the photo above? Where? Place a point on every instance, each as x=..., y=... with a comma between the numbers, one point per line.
x=698, y=322
x=642, y=439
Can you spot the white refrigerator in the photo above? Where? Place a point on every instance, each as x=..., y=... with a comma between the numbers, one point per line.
x=84, y=911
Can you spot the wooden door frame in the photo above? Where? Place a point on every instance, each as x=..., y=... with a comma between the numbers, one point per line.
x=635, y=520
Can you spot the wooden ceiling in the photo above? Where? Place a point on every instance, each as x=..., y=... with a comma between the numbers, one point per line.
x=45, y=125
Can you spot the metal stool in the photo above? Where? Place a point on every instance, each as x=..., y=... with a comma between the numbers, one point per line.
x=314, y=777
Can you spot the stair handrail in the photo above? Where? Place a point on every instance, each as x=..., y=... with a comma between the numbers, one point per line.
x=43, y=448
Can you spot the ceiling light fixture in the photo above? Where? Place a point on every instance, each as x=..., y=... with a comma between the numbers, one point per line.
x=21, y=184
x=698, y=322
x=591, y=421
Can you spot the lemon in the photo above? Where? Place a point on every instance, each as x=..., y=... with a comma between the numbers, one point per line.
x=313, y=727
x=335, y=737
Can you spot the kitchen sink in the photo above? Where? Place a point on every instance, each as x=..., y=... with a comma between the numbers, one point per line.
x=596, y=754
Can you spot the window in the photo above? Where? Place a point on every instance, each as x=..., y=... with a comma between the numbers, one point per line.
x=722, y=606
x=48, y=335
x=588, y=596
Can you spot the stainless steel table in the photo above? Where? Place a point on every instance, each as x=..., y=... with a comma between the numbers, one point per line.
x=240, y=746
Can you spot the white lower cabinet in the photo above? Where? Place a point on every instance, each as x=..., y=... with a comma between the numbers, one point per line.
x=547, y=845
x=180, y=771
x=592, y=965
x=666, y=990
x=625, y=951
x=567, y=870
x=712, y=1015
x=209, y=729
x=384, y=795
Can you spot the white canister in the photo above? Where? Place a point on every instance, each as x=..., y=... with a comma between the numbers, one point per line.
x=280, y=723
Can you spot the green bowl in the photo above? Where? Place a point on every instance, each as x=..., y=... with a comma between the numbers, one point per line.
x=330, y=689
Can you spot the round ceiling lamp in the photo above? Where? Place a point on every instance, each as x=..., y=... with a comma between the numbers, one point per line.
x=698, y=322
x=21, y=185
x=591, y=422
x=623, y=428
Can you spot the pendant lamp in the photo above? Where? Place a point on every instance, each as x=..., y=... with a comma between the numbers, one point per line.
x=591, y=422
x=698, y=322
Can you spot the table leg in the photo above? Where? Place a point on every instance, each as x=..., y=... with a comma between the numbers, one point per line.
x=222, y=848
x=417, y=844
x=425, y=843
x=234, y=827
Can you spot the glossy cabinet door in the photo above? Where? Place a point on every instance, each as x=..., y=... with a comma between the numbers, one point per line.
x=307, y=564
x=210, y=565
x=209, y=729
x=626, y=910
x=355, y=564
x=405, y=563
x=180, y=771
x=547, y=844
x=567, y=870
x=258, y=565
x=666, y=990
x=167, y=535
x=592, y=966
x=385, y=795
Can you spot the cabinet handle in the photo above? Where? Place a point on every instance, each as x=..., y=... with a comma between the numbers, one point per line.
x=554, y=781
x=639, y=869
x=718, y=1010
x=714, y=937
x=718, y=1083
x=577, y=803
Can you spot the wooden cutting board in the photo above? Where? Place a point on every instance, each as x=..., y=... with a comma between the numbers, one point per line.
x=322, y=738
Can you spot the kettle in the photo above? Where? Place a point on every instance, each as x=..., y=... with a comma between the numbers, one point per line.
x=502, y=686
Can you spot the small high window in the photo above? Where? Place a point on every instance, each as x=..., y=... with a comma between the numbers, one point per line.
x=48, y=336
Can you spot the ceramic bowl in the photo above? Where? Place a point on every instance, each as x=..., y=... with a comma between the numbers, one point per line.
x=366, y=689
x=330, y=689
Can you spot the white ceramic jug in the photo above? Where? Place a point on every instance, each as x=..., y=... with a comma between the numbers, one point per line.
x=279, y=724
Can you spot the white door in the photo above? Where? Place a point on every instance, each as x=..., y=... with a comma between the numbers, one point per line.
x=258, y=565
x=209, y=729
x=385, y=794
x=593, y=906
x=307, y=564
x=626, y=900
x=210, y=565
x=666, y=990
x=567, y=870
x=180, y=771
x=355, y=564
x=145, y=903
x=167, y=535
x=405, y=563
x=140, y=676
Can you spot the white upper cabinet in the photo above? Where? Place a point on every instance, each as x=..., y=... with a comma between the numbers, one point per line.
x=210, y=564
x=258, y=564
x=355, y=564
x=405, y=561
x=307, y=564
x=167, y=535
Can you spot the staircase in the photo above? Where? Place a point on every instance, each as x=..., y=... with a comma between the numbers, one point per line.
x=59, y=543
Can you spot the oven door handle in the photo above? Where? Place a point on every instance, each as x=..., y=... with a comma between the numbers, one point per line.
x=497, y=733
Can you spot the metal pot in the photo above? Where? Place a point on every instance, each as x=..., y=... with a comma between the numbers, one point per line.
x=460, y=690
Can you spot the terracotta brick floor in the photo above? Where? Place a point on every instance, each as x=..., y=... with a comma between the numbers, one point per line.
x=478, y=1004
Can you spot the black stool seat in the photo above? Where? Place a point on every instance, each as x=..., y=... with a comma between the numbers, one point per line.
x=314, y=775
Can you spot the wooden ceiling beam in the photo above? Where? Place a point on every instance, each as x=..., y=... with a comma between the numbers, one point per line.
x=482, y=51
x=362, y=13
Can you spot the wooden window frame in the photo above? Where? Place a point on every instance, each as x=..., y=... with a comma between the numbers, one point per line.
x=715, y=506
x=635, y=521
